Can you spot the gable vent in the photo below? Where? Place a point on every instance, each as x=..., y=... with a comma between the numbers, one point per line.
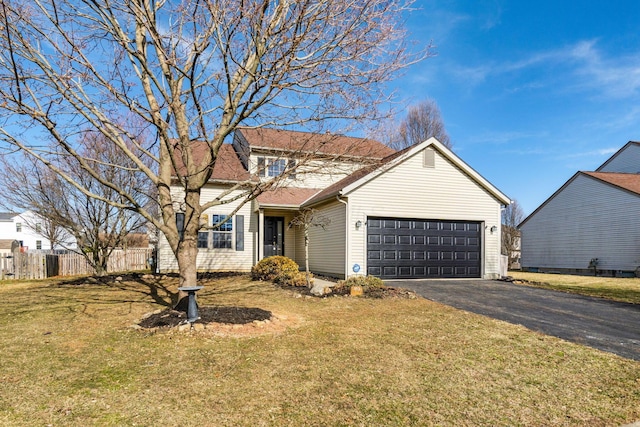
x=429, y=158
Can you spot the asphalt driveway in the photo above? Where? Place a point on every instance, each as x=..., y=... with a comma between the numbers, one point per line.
x=602, y=324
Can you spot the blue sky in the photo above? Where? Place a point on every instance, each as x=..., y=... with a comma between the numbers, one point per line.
x=530, y=92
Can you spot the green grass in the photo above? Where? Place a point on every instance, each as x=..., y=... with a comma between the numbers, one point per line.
x=614, y=288
x=71, y=358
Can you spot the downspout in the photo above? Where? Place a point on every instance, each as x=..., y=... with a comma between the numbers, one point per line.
x=347, y=236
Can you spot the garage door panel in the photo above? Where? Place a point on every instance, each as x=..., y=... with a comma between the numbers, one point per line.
x=389, y=255
x=389, y=239
x=404, y=240
x=389, y=271
x=423, y=248
x=374, y=271
x=374, y=238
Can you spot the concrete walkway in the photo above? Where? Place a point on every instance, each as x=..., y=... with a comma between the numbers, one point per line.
x=606, y=325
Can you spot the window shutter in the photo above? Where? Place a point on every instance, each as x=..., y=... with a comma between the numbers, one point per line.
x=261, y=166
x=180, y=224
x=239, y=232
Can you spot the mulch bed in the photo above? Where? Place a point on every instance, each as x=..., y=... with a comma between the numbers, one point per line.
x=230, y=315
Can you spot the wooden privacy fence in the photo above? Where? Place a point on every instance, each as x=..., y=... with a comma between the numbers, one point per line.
x=40, y=265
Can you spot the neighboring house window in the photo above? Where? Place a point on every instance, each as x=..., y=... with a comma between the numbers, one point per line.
x=18, y=227
x=38, y=244
x=38, y=228
x=222, y=236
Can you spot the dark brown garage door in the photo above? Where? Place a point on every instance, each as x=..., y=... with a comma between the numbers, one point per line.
x=417, y=248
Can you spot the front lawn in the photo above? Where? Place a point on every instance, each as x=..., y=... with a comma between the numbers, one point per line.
x=71, y=357
x=614, y=288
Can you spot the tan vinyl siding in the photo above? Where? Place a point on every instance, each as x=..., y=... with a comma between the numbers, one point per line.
x=217, y=259
x=442, y=192
x=327, y=246
x=587, y=219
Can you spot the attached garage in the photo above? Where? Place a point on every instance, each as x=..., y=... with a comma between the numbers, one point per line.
x=418, y=248
x=421, y=213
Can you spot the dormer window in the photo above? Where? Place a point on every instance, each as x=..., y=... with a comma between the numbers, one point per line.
x=276, y=167
x=273, y=167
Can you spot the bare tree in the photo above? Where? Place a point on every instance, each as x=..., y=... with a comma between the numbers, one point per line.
x=97, y=227
x=422, y=122
x=192, y=71
x=306, y=219
x=512, y=216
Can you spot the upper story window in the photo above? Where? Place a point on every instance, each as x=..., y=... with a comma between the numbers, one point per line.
x=18, y=227
x=38, y=228
x=275, y=166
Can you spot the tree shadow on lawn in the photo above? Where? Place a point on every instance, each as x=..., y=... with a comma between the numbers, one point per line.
x=155, y=288
x=159, y=289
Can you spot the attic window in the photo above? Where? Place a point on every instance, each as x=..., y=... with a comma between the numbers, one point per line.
x=429, y=158
x=276, y=167
x=272, y=166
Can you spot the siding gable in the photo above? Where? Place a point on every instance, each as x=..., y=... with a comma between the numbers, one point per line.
x=587, y=218
x=626, y=160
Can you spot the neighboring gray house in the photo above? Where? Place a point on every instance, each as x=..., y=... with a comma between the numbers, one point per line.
x=418, y=213
x=592, y=223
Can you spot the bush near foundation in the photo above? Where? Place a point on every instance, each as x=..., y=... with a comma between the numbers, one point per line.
x=367, y=283
x=279, y=269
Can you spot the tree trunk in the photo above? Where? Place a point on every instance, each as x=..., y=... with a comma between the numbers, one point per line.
x=306, y=256
x=186, y=255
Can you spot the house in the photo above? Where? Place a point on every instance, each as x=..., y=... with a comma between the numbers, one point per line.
x=418, y=213
x=26, y=228
x=31, y=230
x=591, y=224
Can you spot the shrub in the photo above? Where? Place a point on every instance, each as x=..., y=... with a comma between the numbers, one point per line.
x=368, y=283
x=273, y=267
x=297, y=278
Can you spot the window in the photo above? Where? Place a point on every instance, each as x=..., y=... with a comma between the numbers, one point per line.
x=222, y=236
x=180, y=224
x=38, y=228
x=38, y=244
x=275, y=166
x=291, y=165
x=18, y=227
x=203, y=239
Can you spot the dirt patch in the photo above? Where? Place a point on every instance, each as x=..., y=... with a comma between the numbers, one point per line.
x=219, y=321
x=230, y=315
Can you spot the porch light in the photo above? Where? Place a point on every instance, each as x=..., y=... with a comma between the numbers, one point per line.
x=358, y=224
x=494, y=229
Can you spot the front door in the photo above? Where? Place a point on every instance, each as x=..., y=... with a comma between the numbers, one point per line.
x=273, y=235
